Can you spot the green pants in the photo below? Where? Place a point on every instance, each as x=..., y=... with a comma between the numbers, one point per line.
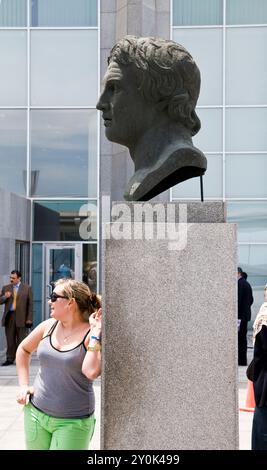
x=43, y=432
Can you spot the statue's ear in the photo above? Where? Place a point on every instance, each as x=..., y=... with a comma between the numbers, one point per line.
x=178, y=106
x=172, y=102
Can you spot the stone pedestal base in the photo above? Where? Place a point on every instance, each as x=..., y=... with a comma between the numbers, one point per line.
x=170, y=342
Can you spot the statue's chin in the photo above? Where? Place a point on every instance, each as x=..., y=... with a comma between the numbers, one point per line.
x=109, y=134
x=112, y=137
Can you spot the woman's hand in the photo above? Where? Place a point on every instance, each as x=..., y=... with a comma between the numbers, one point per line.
x=95, y=322
x=23, y=393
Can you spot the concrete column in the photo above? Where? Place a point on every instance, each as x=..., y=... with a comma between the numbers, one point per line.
x=169, y=376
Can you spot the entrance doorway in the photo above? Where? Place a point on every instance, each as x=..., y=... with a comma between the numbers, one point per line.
x=61, y=261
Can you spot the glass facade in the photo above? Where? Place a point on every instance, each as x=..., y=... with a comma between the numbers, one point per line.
x=227, y=38
x=246, y=12
x=13, y=13
x=194, y=12
x=13, y=150
x=13, y=60
x=64, y=153
x=57, y=54
x=49, y=54
x=22, y=259
x=57, y=69
x=64, y=13
x=66, y=221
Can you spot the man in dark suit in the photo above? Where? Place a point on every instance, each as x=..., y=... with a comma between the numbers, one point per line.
x=17, y=317
x=245, y=300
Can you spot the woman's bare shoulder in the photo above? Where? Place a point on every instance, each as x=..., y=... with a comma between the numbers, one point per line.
x=47, y=325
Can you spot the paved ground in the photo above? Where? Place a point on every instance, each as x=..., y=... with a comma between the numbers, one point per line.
x=11, y=422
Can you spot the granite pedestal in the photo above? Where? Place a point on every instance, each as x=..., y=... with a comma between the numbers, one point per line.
x=169, y=376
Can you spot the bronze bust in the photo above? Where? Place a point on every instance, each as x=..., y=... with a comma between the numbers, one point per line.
x=151, y=88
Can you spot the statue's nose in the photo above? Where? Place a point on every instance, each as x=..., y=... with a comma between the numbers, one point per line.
x=102, y=103
x=99, y=105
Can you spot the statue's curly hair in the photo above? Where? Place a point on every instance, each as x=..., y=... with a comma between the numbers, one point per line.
x=167, y=74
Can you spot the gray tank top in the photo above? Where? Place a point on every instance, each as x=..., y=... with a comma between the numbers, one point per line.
x=60, y=388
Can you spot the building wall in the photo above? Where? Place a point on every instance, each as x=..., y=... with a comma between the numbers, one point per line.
x=14, y=226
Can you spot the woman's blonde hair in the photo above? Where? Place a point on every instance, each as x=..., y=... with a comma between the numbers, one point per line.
x=87, y=301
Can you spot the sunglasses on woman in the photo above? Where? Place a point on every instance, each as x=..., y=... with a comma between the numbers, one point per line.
x=53, y=297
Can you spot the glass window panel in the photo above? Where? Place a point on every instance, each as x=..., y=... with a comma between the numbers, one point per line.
x=253, y=260
x=64, y=13
x=209, y=138
x=246, y=176
x=251, y=218
x=37, y=282
x=22, y=259
x=61, y=265
x=90, y=266
x=64, y=68
x=246, y=66
x=13, y=13
x=246, y=129
x=65, y=220
x=13, y=150
x=246, y=11
x=212, y=182
x=64, y=153
x=194, y=12
x=13, y=62
x=205, y=45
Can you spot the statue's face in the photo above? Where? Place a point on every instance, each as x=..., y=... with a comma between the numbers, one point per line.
x=125, y=113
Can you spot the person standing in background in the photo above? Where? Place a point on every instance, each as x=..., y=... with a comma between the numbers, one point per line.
x=17, y=318
x=245, y=300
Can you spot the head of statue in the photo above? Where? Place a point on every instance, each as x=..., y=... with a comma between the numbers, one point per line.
x=151, y=88
x=147, y=80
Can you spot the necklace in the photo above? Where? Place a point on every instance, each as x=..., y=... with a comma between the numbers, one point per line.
x=65, y=338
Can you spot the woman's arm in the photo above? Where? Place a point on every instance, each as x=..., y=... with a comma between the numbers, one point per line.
x=23, y=358
x=91, y=367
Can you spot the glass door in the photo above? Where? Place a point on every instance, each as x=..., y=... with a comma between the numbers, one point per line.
x=61, y=261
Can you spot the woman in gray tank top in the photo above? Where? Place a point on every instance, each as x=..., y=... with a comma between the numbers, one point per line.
x=60, y=411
